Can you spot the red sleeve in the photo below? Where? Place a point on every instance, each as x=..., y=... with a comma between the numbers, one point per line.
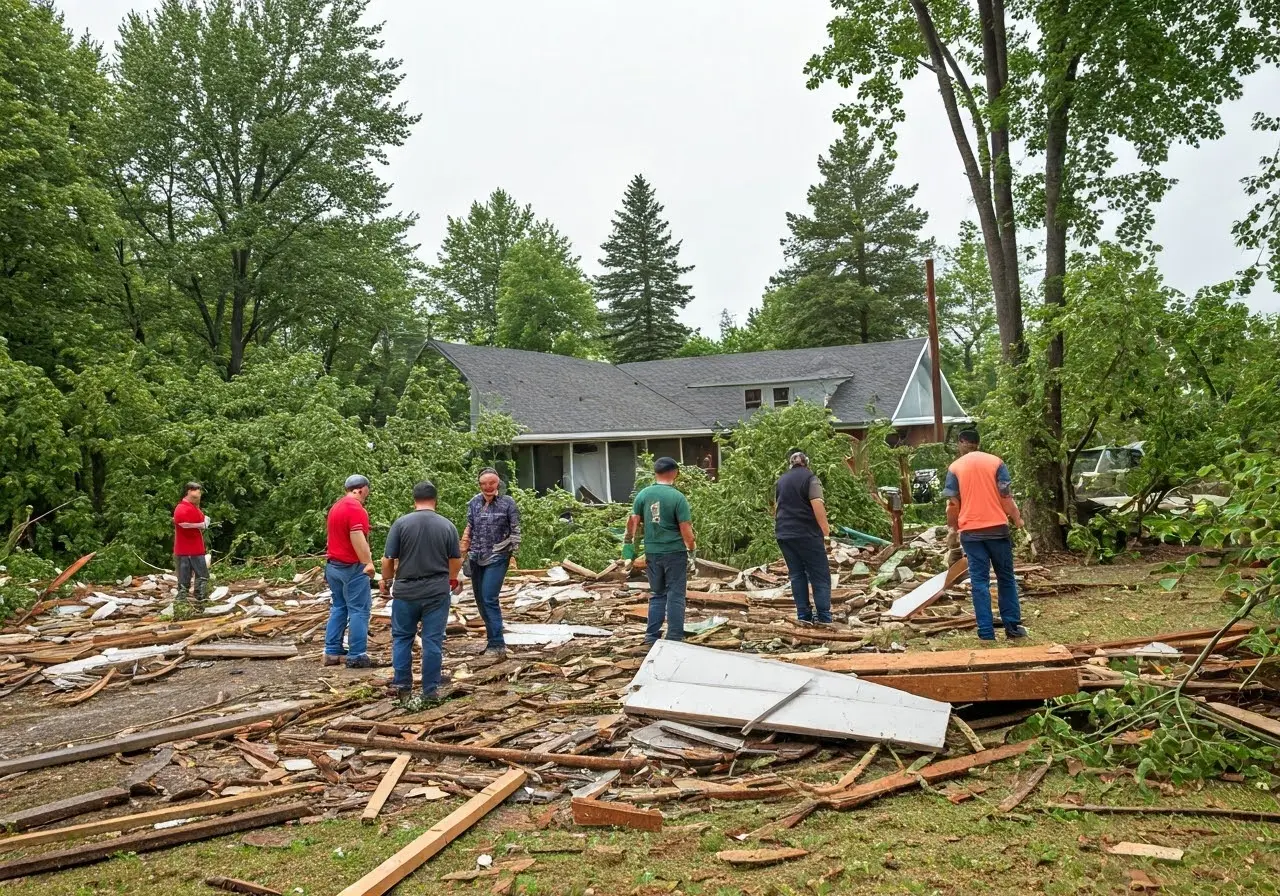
x=360, y=519
x=186, y=512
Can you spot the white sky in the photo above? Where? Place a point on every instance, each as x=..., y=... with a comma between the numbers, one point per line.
x=561, y=102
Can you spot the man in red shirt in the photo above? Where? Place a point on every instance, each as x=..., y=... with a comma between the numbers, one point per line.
x=189, y=523
x=349, y=574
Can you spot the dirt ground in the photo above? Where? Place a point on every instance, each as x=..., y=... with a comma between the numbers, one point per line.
x=918, y=843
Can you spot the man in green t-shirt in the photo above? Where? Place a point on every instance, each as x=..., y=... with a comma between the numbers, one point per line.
x=668, y=549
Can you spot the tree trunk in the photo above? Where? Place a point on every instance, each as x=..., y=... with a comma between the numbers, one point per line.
x=241, y=288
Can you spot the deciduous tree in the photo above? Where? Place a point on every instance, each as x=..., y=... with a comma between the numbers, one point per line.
x=545, y=303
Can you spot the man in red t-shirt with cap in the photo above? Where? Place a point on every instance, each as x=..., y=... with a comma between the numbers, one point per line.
x=349, y=574
x=189, y=523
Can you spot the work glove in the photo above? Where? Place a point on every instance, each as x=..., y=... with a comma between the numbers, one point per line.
x=693, y=562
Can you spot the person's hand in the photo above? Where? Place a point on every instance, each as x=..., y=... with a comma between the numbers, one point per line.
x=1016, y=520
x=455, y=586
x=369, y=570
x=383, y=589
x=693, y=562
x=465, y=545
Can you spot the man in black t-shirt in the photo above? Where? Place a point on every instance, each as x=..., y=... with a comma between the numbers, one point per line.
x=800, y=524
x=422, y=559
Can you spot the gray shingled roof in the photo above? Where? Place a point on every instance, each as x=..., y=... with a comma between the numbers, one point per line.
x=857, y=376
x=553, y=394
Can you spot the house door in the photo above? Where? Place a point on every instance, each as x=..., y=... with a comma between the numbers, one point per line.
x=622, y=471
x=701, y=452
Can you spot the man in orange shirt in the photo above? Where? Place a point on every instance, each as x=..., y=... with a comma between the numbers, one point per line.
x=980, y=507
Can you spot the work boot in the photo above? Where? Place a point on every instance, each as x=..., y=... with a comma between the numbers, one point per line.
x=497, y=652
x=363, y=662
x=333, y=659
x=198, y=597
x=1017, y=633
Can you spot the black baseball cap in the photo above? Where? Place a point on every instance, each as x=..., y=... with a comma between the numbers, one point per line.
x=970, y=436
x=665, y=465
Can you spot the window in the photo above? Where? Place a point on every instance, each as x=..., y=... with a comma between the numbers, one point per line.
x=753, y=399
x=781, y=397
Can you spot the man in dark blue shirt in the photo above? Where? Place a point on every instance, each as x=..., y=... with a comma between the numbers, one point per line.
x=800, y=524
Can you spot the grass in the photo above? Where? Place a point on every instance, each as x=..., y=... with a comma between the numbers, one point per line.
x=917, y=843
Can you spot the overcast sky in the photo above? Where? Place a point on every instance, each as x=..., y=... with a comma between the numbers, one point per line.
x=561, y=102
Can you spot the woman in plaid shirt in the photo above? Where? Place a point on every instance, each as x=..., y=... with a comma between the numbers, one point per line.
x=490, y=540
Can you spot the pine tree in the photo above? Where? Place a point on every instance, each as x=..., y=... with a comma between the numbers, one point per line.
x=641, y=285
x=855, y=271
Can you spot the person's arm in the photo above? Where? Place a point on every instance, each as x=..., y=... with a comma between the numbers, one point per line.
x=686, y=532
x=684, y=516
x=513, y=522
x=360, y=544
x=1004, y=482
x=455, y=564
x=818, y=501
x=951, y=491
x=388, y=573
x=390, y=555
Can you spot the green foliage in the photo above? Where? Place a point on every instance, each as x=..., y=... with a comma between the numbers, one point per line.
x=641, y=286
x=855, y=263
x=1259, y=230
x=244, y=137
x=545, y=303
x=967, y=317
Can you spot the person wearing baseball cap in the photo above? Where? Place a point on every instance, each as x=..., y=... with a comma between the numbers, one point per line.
x=800, y=525
x=349, y=574
x=669, y=549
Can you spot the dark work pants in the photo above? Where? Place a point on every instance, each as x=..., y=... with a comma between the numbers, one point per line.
x=668, y=578
x=192, y=567
x=983, y=554
x=808, y=569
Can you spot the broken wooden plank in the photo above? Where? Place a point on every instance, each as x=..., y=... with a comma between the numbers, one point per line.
x=931, y=774
x=154, y=816
x=1245, y=717
x=1145, y=851
x=710, y=738
x=702, y=685
x=444, y=832
x=1013, y=800
x=594, y=813
x=218, y=650
x=233, y=885
x=759, y=858
x=385, y=786
x=597, y=787
x=525, y=757
x=923, y=595
x=849, y=778
x=139, y=780
x=89, y=692
x=65, y=576
x=865, y=664
x=146, y=739
x=70, y=807
x=985, y=687
x=88, y=853
x=1207, y=811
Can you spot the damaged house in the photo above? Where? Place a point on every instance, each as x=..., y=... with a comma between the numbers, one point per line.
x=586, y=422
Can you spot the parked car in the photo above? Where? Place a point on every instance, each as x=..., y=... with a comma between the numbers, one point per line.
x=1102, y=470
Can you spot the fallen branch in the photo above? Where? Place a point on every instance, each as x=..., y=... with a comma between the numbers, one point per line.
x=494, y=754
x=1206, y=811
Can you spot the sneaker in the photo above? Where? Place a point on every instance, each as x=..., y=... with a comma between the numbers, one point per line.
x=419, y=702
x=1016, y=633
x=363, y=662
x=331, y=659
x=499, y=652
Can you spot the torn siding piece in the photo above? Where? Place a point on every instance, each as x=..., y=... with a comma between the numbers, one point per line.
x=701, y=685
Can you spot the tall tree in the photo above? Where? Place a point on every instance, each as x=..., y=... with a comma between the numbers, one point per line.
x=1071, y=81
x=469, y=268
x=855, y=262
x=641, y=285
x=1259, y=230
x=57, y=221
x=545, y=303
x=246, y=128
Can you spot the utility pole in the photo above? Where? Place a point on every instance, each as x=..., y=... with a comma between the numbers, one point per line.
x=935, y=355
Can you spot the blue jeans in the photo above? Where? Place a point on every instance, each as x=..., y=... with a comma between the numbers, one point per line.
x=349, y=609
x=808, y=569
x=984, y=553
x=486, y=584
x=668, y=574
x=406, y=617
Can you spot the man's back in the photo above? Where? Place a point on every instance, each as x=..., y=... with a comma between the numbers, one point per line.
x=422, y=543
x=663, y=508
x=977, y=480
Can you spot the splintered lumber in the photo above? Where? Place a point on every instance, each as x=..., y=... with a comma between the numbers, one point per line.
x=849, y=778
x=710, y=738
x=388, y=784
x=67, y=573
x=220, y=651
x=155, y=816
x=984, y=687
x=594, y=813
x=704, y=686
x=89, y=692
x=1013, y=800
x=495, y=754
x=596, y=787
x=139, y=780
x=930, y=774
x=1207, y=811
x=144, y=740
x=444, y=832
x=68, y=808
x=758, y=858
x=232, y=885
x=1145, y=851
x=1252, y=720
x=885, y=664
x=917, y=599
x=88, y=853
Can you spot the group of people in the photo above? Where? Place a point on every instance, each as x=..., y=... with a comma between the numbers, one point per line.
x=424, y=559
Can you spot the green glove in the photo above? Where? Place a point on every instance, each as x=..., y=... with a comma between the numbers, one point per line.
x=628, y=550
